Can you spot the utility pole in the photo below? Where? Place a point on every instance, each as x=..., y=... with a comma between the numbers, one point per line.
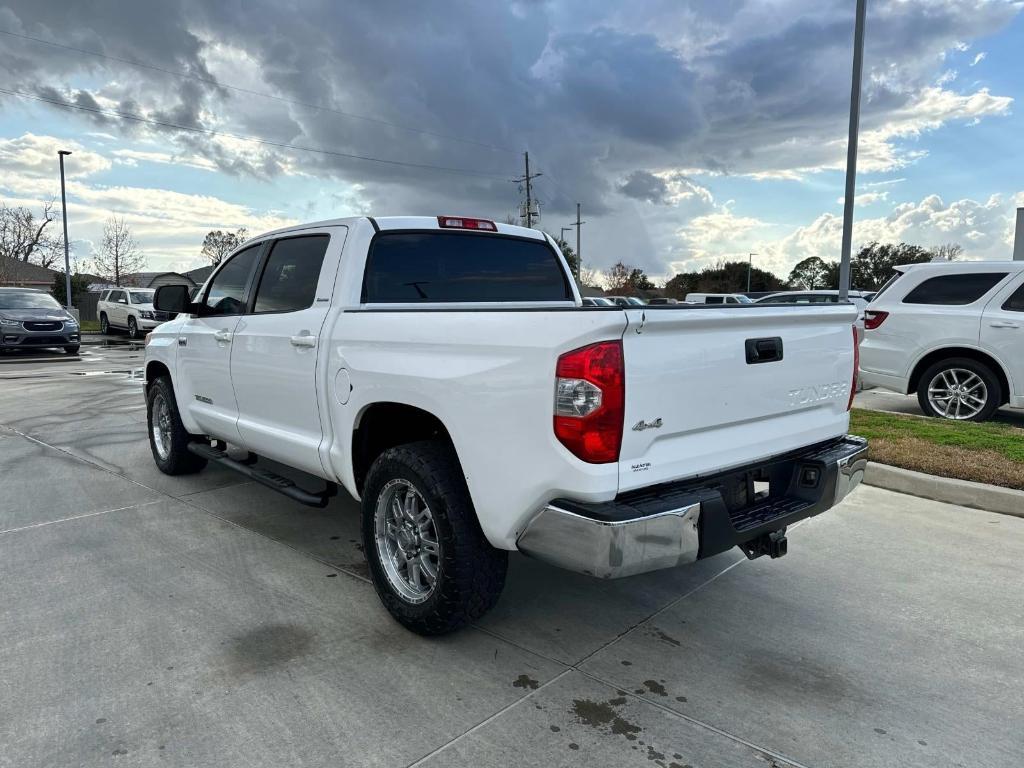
x=851, y=151
x=64, y=210
x=750, y=268
x=578, y=224
x=527, y=178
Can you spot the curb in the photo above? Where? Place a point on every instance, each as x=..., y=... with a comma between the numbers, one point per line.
x=965, y=493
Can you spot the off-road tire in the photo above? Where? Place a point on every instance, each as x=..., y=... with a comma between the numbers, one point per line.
x=470, y=574
x=104, y=324
x=995, y=390
x=180, y=461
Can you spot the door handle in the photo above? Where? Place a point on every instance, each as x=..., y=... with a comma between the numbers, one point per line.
x=1003, y=324
x=224, y=336
x=303, y=340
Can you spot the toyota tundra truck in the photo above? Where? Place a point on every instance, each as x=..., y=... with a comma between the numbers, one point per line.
x=445, y=373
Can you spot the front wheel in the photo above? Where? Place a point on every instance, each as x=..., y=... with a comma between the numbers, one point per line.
x=961, y=389
x=104, y=325
x=71, y=349
x=168, y=438
x=429, y=561
x=133, y=328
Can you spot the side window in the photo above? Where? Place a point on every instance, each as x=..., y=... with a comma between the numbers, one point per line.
x=226, y=295
x=118, y=297
x=104, y=295
x=714, y=300
x=289, y=279
x=954, y=290
x=1016, y=302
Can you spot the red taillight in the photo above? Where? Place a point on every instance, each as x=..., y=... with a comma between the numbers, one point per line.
x=856, y=367
x=873, y=318
x=461, y=222
x=590, y=396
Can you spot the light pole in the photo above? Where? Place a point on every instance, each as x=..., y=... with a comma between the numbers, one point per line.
x=562, y=235
x=750, y=268
x=851, y=151
x=64, y=211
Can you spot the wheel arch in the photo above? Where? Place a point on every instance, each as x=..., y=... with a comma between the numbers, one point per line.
x=154, y=370
x=970, y=353
x=382, y=425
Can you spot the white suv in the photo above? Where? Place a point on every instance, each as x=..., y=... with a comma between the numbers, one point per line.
x=953, y=332
x=129, y=309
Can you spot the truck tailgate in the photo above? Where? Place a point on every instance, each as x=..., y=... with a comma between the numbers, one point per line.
x=698, y=402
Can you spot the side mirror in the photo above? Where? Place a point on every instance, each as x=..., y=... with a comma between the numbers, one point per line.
x=173, y=298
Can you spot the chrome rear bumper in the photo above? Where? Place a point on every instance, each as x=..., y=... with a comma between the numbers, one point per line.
x=679, y=523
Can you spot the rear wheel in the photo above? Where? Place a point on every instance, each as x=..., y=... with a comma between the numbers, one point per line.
x=133, y=328
x=104, y=324
x=961, y=389
x=430, y=563
x=168, y=438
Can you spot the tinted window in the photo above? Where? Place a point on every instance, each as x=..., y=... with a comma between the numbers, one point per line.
x=27, y=300
x=226, y=295
x=141, y=297
x=290, y=277
x=118, y=297
x=714, y=300
x=446, y=266
x=1016, y=302
x=954, y=289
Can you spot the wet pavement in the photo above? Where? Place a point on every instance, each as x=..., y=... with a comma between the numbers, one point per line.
x=207, y=621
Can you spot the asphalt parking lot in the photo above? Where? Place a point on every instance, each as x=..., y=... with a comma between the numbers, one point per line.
x=206, y=621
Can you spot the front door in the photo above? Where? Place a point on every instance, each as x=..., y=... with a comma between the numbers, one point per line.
x=1002, y=334
x=204, y=348
x=275, y=350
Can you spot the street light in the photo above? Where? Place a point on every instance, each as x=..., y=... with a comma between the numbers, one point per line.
x=64, y=211
x=562, y=235
x=750, y=268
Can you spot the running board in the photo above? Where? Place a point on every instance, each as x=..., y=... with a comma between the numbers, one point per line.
x=263, y=477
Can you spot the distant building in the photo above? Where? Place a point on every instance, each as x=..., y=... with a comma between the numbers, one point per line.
x=156, y=279
x=15, y=273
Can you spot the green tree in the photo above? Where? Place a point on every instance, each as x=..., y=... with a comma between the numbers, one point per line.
x=809, y=274
x=79, y=286
x=679, y=285
x=639, y=279
x=874, y=263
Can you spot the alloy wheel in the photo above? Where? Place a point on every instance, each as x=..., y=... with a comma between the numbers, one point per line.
x=957, y=393
x=406, y=538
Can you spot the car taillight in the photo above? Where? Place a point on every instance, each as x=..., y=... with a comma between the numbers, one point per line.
x=873, y=318
x=590, y=396
x=856, y=368
x=461, y=222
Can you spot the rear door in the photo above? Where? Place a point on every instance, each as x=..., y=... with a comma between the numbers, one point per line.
x=117, y=311
x=709, y=389
x=204, y=347
x=1002, y=332
x=274, y=352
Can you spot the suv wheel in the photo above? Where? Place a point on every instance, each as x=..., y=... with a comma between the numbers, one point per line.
x=133, y=328
x=959, y=388
x=168, y=438
x=104, y=324
x=430, y=563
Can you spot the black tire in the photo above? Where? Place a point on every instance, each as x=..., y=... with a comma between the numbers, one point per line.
x=71, y=349
x=179, y=460
x=994, y=391
x=133, y=328
x=104, y=324
x=470, y=572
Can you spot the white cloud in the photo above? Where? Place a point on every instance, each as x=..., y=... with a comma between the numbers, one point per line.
x=37, y=155
x=978, y=58
x=866, y=198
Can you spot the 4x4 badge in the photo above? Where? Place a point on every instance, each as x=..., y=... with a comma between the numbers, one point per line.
x=641, y=425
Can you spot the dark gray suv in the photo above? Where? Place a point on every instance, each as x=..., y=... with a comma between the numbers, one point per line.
x=31, y=318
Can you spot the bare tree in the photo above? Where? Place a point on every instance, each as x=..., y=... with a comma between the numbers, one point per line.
x=589, y=276
x=218, y=244
x=118, y=255
x=947, y=252
x=24, y=236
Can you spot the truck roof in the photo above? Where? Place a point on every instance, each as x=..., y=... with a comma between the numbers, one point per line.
x=403, y=222
x=964, y=266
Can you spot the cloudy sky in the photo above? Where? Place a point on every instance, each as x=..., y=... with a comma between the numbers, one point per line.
x=689, y=131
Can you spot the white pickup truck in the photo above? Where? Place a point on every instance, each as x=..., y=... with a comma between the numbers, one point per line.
x=444, y=371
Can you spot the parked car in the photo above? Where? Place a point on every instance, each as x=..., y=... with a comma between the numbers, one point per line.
x=717, y=298
x=437, y=369
x=662, y=300
x=129, y=309
x=627, y=301
x=598, y=301
x=32, y=318
x=953, y=332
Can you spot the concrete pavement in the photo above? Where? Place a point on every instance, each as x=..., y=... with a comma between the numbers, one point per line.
x=206, y=621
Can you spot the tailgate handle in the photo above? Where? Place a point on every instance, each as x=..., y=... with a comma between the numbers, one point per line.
x=767, y=350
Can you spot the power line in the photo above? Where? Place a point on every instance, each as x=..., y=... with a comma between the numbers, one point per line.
x=256, y=139
x=250, y=92
x=528, y=178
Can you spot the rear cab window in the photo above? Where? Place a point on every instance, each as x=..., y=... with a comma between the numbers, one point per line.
x=453, y=267
x=954, y=290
